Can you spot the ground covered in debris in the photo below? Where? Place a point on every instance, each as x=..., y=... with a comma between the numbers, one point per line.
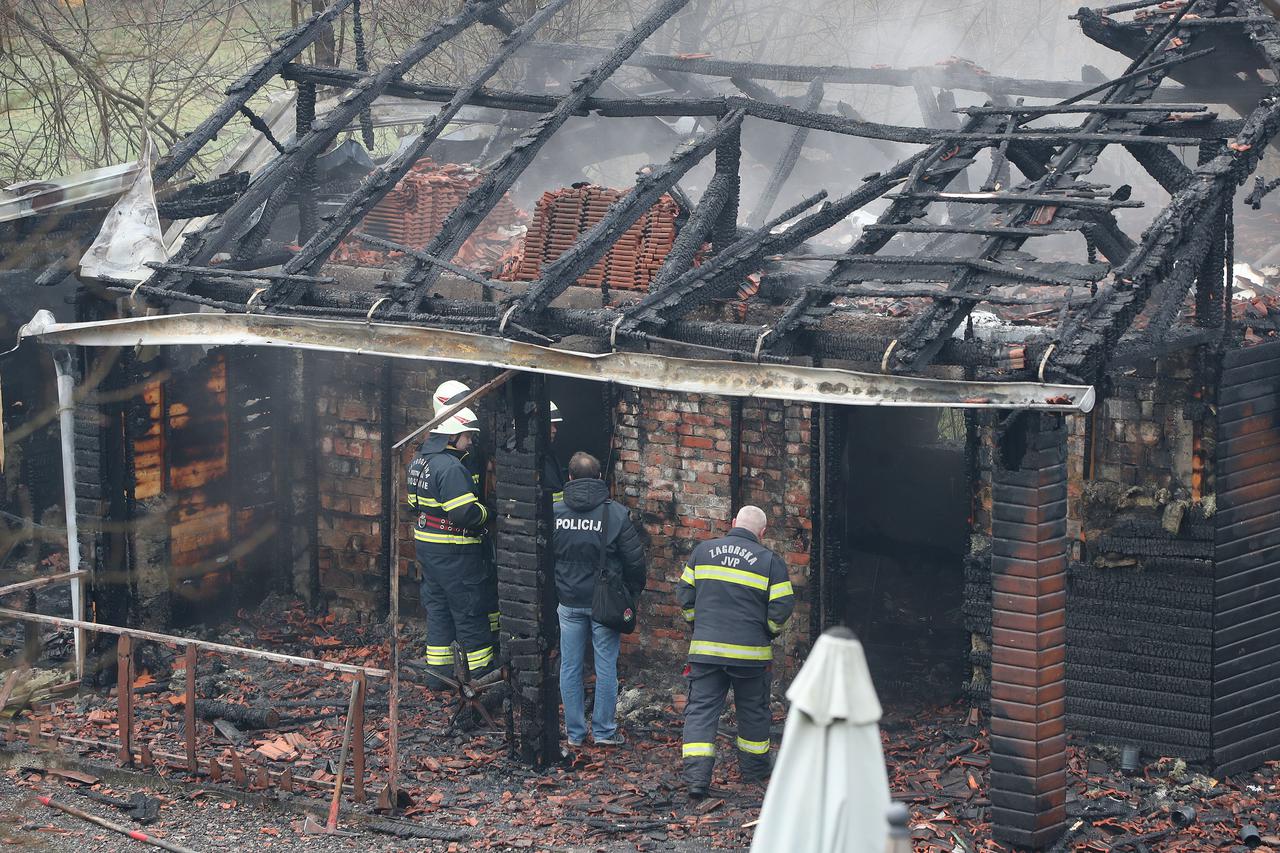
x=465, y=792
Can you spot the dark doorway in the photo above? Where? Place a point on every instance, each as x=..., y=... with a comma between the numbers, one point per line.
x=588, y=419
x=908, y=497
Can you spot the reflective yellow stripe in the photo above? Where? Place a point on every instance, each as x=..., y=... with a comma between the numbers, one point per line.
x=484, y=513
x=687, y=576
x=480, y=658
x=775, y=627
x=460, y=500
x=698, y=750
x=431, y=502
x=728, y=650
x=445, y=538
x=738, y=576
x=493, y=621
x=780, y=589
x=413, y=500
x=755, y=747
x=556, y=497
x=437, y=655
x=688, y=615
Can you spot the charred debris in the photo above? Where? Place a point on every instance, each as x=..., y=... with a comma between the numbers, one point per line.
x=903, y=365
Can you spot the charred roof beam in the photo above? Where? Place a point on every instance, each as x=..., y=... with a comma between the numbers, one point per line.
x=278, y=174
x=383, y=179
x=467, y=216
x=239, y=92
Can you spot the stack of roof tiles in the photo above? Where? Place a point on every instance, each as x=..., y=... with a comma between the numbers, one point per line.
x=412, y=213
x=563, y=216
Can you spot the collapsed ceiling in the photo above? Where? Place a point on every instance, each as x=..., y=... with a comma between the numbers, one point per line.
x=958, y=219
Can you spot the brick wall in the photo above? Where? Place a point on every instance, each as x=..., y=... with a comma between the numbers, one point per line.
x=675, y=471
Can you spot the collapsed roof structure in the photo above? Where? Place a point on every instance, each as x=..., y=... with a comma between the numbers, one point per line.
x=1037, y=187
x=999, y=205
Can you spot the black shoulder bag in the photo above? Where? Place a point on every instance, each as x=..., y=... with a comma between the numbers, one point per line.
x=611, y=602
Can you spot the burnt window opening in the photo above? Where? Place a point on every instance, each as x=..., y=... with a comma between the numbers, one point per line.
x=588, y=420
x=907, y=487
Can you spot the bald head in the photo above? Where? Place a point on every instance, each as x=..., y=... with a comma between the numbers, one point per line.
x=751, y=518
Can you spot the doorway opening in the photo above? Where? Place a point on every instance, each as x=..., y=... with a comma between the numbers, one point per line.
x=587, y=410
x=908, y=497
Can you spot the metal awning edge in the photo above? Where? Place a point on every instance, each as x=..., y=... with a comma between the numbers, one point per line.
x=643, y=370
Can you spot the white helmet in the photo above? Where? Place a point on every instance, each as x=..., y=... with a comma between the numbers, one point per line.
x=449, y=392
x=555, y=413
x=463, y=420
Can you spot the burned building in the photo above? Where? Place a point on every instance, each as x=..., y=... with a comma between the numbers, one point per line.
x=1025, y=449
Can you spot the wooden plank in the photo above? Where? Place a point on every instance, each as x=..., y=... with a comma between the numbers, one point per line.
x=1235, y=513
x=1243, y=374
x=1247, y=460
x=1227, y=687
x=1265, y=737
x=1265, y=594
x=1240, y=356
x=1260, y=405
x=1246, y=574
x=1244, y=664
x=1249, y=390
x=1241, y=479
x=1266, y=535
x=1249, y=704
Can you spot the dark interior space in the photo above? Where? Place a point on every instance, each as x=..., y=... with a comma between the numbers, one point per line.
x=588, y=419
x=906, y=522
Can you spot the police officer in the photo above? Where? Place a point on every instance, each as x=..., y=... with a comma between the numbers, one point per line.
x=450, y=393
x=590, y=527
x=451, y=548
x=552, y=472
x=736, y=594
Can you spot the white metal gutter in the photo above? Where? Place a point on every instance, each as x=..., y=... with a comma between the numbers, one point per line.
x=643, y=370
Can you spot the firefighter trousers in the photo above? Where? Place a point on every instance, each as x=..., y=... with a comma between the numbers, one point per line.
x=456, y=587
x=708, y=687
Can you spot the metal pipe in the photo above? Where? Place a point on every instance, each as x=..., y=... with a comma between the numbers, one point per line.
x=66, y=427
x=170, y=639
x=135, y=834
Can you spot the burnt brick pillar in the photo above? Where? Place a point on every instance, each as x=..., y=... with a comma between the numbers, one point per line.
x=526, y=592
x=1028, y=576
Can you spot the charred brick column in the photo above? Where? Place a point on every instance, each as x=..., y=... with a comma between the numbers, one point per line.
x=1028, y=575
x=526, y=593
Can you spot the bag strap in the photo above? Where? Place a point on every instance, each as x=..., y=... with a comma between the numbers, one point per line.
x=604, y=536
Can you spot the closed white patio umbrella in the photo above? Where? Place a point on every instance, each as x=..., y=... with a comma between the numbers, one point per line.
x=829, y=792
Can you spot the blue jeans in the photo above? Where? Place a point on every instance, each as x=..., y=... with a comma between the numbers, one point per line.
x=576, y=628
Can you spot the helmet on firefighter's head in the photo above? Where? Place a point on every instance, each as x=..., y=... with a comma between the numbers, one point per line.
x=448, y=393
x=554, y=411
x=463, y=420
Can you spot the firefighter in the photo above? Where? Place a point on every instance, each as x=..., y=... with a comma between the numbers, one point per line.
x=736, y=594
x=451, y=547
x=552, y=472
x=450, y=393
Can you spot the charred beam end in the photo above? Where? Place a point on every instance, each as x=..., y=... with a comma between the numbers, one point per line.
x=239, y=93
x=697, y=231
x=570, y=266
x=1093, y=334
x=468, y=215
x=382, y=180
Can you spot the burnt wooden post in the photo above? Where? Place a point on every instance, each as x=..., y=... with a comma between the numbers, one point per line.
x=1028, y=577
x=189, y=710
x=728, y=162
x=525, y=583
x=124, y=696
x=357, y=740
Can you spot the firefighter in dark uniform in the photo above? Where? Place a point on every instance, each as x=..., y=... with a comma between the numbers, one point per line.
x=737, y=595
x=451, y=547
x=552, y=472
x=450, y=393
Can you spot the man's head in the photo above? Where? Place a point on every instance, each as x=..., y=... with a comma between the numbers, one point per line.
x=751, y=518
x=461, y=427
x=584, y=466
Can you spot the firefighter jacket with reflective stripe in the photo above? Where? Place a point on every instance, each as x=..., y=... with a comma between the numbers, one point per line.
x=577, y=543
x=553, y=476
x=446, y=496
x=737, y=594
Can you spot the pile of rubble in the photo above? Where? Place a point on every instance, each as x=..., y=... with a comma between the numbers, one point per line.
x=939, y=765
x=563, y=216
x=412, y=213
